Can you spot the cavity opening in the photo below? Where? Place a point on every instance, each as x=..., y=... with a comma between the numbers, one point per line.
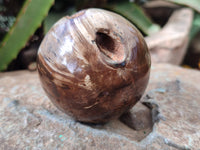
x=111, y=47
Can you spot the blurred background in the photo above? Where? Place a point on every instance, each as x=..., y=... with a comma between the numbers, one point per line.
x=24, y=23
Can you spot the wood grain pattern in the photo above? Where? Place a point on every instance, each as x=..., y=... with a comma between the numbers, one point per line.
x=94, y=65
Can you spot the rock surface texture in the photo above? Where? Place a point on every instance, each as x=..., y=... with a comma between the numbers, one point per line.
x=173, y=39
x=28, y=120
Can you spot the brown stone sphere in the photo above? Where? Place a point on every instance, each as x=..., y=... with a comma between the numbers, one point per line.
x=94, y=65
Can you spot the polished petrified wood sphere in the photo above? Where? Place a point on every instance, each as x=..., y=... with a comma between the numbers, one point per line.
x=94, y=65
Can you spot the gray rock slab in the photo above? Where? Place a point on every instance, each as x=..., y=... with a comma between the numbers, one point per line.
x=28, y=119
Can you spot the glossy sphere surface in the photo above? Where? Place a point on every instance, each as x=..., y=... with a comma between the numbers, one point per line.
x=94, y=65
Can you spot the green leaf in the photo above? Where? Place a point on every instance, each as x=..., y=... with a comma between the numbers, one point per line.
x=195, y=26
x=195, y=4
x=54, y=17
x=136, y=15
x=28, y=20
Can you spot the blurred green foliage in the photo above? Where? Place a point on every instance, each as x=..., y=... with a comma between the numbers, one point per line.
x=27, y=21
x=195, y=25
x=136, y=15
x=195, y=4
